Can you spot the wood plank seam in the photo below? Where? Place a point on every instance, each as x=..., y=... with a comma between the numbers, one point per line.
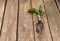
x=48, y=21
x=17, y=22
x=56, y=5
x=49, y=26
x=32, y=20
x=3, y=16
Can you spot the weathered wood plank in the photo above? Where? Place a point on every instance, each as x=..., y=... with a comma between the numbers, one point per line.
x=10, y=21
x=45, y=35
x=2, y=6
x=53, y=18
x=25, y=27
x=57, y=4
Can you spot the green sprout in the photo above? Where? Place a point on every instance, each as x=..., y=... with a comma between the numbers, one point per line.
x=38, y=11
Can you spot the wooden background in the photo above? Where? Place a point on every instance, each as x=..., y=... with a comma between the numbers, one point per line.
x=16, y=24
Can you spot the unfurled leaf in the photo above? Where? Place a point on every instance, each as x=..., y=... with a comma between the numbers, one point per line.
x=40, y=12
x=33, y=10
x=40, y=7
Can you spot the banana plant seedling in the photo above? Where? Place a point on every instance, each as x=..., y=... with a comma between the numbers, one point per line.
x=38, y=13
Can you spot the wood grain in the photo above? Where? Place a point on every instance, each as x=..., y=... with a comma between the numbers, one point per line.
x=25, y=27
x=2, y=6
x=53, y=18
x=10, y=21
x=44, y=35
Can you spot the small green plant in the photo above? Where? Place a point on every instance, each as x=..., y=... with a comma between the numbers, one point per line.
x=39, y=13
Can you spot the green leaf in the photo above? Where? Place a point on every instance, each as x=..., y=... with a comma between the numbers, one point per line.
x=33, y=10
x=40, y=12
x=40, y=7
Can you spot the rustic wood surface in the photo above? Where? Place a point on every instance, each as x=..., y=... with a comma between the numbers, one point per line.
x=2, y=7
x=53, y=19
x=16, y=24
x=25, y=27
x=57, y=4
x=40, y=36
x=10, y=21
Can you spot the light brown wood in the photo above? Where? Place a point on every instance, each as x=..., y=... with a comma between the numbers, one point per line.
x=58, y=4
x=45, y=35
x=10, y=21
x=25, y=26
x=2, y=4
x=53, y=18
x=27, y=23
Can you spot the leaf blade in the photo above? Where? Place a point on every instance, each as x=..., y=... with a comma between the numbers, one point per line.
x=33, y=10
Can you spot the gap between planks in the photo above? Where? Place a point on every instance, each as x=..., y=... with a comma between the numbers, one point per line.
x=57, y=2
x=2, y=13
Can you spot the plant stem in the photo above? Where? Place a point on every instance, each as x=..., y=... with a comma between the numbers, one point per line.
x=39, y=17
